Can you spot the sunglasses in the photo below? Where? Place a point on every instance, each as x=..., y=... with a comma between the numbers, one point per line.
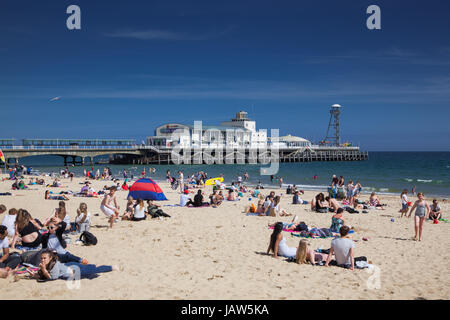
x=51, y=227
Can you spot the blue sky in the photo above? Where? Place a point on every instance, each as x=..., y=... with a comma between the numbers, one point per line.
x=137, y=64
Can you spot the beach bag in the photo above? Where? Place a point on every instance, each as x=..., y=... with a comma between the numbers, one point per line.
x=88, y=238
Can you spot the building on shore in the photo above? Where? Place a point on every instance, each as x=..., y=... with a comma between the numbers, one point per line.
x=240, y=132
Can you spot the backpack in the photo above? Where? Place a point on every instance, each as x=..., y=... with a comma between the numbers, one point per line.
x=88, y=238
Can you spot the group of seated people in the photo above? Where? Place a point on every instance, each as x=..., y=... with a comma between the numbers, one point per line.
x=44, y=245
x=340, y=254
x=136, y=210
x=323, y=204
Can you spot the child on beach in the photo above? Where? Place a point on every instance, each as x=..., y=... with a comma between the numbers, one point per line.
x=435, y=213
x=51, y=269
x=422, y=213
x=404, y=197
x=109, y=206
x=83, y=219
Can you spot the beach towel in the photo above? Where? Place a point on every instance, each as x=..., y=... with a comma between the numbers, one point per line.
x=286, y=230
x=22, y=269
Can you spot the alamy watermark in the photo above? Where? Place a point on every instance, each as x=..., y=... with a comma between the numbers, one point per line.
x=228, y=146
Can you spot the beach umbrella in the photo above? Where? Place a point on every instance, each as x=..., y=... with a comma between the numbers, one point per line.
x=146, y=189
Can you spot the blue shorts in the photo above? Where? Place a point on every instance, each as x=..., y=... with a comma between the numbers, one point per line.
x=405, y=206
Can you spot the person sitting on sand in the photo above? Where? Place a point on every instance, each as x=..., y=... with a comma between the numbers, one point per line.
x=297, y=200
x=278, y=245
x=276, y=210
x=343, y=249
x=321, y=206
x=27, y=229
x=231, y=196
x=61, y=197
x=198, y=200
x=9, y=220
x=53, y=240
x=215, y=199
x=60, y=213
x=305, y=254
x=129, y=209
x=138, y=213
x=268, y=204
x=51, y=269
x=375, y=202
x=184, y=200
x=83, y=219
x=333, y=205
x=435, y=213
x=337, y=221
x=6, y=260
x=109, y=206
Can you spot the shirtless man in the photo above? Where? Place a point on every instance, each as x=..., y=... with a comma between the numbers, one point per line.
x=109, y=206
x=332, y=204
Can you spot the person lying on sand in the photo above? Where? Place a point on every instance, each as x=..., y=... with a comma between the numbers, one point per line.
x=62, y=197
x=51, y=268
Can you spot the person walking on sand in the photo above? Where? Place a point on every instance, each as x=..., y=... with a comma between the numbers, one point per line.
x=404, y=197
x=109, y=206
x=421, y=214
x=181, y=180
x=280, y=182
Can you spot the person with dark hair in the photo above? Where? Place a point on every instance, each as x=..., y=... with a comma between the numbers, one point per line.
x=27, y=229
x=278, y=244
x=198, y=200
x=333, y=205
x=51, y=268
x=320, y=203
x=53, y=240
x=343, y=249
x=337, y=221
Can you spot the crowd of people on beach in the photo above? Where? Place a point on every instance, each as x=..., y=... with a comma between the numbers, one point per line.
x=42, y=246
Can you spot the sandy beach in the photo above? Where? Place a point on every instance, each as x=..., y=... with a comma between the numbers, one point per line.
x=220, y=253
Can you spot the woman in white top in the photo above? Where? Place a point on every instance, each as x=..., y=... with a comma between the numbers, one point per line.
x=275, y=209
x=138, y=213
x=278, y=244
x=405, y=207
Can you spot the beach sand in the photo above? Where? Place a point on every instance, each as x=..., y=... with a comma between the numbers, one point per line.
x=220, y=253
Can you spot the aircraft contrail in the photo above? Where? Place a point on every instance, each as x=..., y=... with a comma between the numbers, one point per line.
x=55, y=98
